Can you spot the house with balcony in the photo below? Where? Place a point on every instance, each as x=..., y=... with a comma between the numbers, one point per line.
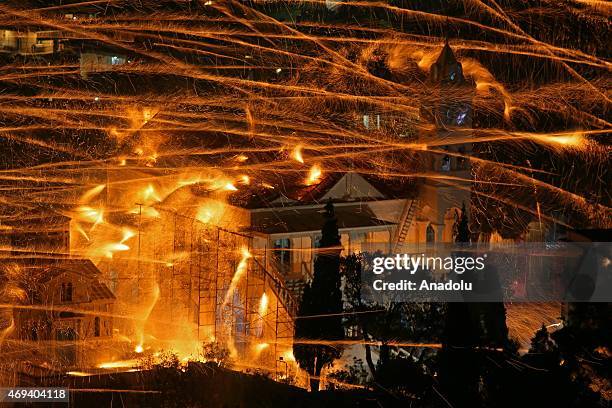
x=62, y=309
x=373, y=215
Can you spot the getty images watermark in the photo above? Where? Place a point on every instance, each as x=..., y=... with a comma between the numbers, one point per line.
x=412, y=264
x=529, y=272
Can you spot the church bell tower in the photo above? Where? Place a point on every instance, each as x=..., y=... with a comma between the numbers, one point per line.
x=446, y=123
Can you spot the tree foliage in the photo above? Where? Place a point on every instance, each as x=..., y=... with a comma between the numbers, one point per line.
x=321, y=305
x=403, y=371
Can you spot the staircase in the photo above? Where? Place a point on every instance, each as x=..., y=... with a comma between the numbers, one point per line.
x=405, y=222
x=278, y=286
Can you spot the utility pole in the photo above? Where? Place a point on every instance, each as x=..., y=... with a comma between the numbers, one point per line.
x=138, y=271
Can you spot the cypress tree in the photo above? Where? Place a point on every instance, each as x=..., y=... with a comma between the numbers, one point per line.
x=322, y=298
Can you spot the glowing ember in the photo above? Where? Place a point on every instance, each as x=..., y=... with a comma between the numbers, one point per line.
x=263, y=304
x=119, y=364
x=92, y=193
x=288, y=355
x=258, y=348
x=211, y=212
x=574, y=141
x=314, y=176
x=230, y=187
x=93, y=215
x=149, y=194
x=78, y=374
x=262, y=346
x=297, y=154
x=240, y=270
x=127, y=234
x=109, y=249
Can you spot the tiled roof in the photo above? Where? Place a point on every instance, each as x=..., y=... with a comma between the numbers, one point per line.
x=43, y=270
x=99, y=291
x=277, y=221
x=50, y=268
x=293, y=189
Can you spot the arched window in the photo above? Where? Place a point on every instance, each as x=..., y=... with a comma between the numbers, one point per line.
x=461, y=161
x=69, y=292
x=430, y=234
x=446, y=163
x=66, y=293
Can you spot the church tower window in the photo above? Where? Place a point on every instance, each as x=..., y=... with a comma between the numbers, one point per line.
x=430, y=234
x=446, y=163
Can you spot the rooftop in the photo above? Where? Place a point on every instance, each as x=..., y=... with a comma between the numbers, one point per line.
x=289, y=190
x=291, y=220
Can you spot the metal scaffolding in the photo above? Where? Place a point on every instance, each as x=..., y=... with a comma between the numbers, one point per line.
x=254, y=311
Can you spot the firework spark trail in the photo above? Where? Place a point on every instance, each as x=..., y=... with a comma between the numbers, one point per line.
x=574, y=56
x=288, y=99
x=548, y=48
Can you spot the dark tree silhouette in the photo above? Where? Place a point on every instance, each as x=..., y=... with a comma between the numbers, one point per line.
x=541, y=342
x=459, y=364
x=398, y=371
x=463, y=227
x=321, y=297
x=473, y=333
x=558, y=374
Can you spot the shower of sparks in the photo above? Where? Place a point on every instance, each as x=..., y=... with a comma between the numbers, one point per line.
x=314, y=175
x=227, y=101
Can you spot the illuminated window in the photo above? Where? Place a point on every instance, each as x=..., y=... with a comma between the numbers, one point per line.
x=302, y=254
x=282, y=254
x=117, y=60
x=446, y=163
x=371, y=121
x=461, y=118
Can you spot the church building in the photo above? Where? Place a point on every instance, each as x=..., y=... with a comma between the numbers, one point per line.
x=373, y=213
